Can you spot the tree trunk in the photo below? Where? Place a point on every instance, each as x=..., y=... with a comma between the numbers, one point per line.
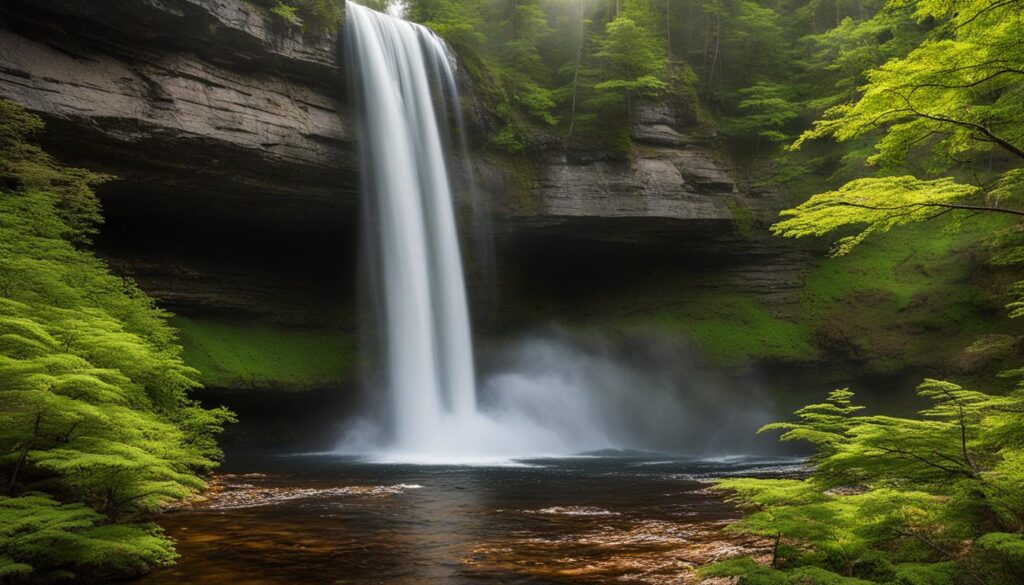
x=576, y=70
x=668, y=29
x=714, y=54
x=775, y=550
x=24, y=452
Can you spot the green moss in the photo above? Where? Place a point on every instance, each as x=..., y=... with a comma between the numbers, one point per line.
x=743, y=220
x=735, y=328
x=732, y=328
x=743, y=329
x=914, y=297
x=261, y=356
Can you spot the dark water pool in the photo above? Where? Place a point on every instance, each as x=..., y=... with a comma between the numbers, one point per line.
x=611, y=518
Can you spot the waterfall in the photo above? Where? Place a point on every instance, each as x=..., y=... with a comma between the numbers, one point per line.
x=554, y=400
x=427, y=344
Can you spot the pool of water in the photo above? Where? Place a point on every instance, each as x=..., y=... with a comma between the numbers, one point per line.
x=602, y=518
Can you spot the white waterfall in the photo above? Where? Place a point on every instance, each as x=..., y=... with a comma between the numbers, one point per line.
x=554, y=400
x=427, y=343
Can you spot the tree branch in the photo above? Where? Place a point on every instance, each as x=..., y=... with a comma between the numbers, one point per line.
x=947, y=206
x=995, y=138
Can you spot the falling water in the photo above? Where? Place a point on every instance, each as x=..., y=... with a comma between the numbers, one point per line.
x=554, y=398
x=427, y=345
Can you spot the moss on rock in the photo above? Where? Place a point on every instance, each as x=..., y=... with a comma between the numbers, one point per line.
x=241, y=355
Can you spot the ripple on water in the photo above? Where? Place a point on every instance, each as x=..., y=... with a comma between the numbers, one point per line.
x=573, y=511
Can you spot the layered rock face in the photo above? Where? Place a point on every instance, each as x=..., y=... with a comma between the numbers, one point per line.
x=673, y=181
x=233, y=151
x=207, y=105
x=677, y=205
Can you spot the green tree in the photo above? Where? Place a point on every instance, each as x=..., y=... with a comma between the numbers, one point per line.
x=522, y=26
x=458, y=21
x=766, y=110
x=947, y=129
x=933, y=499
x=635, y=55
x=956, y=96
x=96, y=426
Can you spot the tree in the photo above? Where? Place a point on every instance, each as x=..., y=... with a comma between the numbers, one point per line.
x=636, y=56
x=96, y=426
x=766, y=110
x=522, y=27
x=948, y=110
x=457, y=21
x=934, y=499
x=957, y=96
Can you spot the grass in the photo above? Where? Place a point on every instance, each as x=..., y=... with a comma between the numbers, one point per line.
x=260, y=356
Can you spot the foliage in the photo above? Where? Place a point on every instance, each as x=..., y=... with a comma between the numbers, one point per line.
x=766, y=112
x=93, y=390
x=878, y=204
x=934, y=499
x=931, y=87
x=73, y=539
x=636, y=58
x=520, y=65
x=585, y=89
x=952, y=100
x=457, y=21
x=316, y=16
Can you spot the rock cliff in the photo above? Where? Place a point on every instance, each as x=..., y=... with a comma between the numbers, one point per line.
x=207, y=105
x=237, y=190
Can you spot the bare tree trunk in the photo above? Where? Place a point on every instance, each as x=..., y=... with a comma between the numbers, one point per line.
x=515, y=58
x=714, y=54
x=576, y=70
x=668, y=29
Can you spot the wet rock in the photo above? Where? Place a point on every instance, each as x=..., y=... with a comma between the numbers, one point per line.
x=654, y=552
